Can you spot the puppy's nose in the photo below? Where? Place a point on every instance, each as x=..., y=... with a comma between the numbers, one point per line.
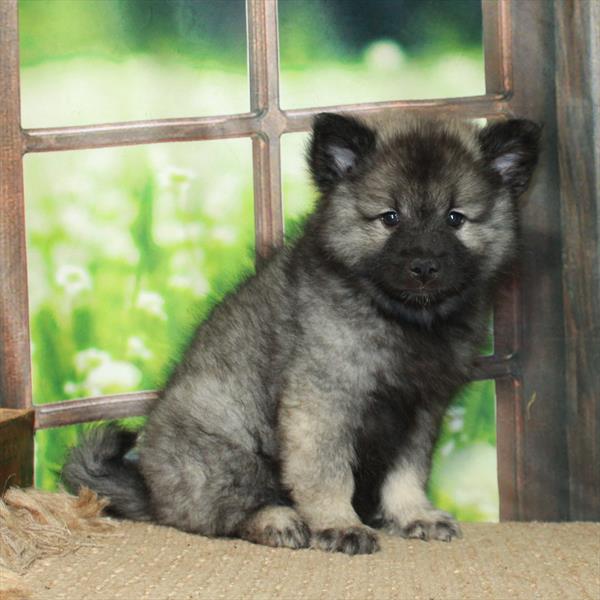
x=424, y=269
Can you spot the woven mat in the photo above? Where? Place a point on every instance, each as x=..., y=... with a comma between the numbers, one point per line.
x=507, y=561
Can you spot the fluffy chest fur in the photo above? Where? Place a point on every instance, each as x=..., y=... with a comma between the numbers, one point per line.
x=389, y=382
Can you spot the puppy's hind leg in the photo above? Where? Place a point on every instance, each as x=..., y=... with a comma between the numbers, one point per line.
x=276, y=526
x=213, y=487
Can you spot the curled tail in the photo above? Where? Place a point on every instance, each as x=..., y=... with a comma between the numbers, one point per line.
x=100, y=464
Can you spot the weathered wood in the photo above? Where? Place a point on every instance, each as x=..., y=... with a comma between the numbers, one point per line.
x=54, y=139
x=102, y=408
x=497, y=40
x=15, y=370
x=578, y=117
x=508, y=396
x=497, y=46
x=263, y=52
x=541, y=472
x=16, y=448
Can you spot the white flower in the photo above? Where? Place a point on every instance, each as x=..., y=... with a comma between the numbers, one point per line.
x=112, y=377
x=90, y=358
x=447, y=448
x=73, y=280
x=184, y=260
x=455, y=424
x=103, y=375
x=169, y=231
x=77, y=220
x=193, y=231
x=468, y=476
x=195, y=282
x=137, y=349
x=152, y=303
x=455, y=419
x=72, y=389
x=223, y=196
x=384, y=55
x=175, y=177
x=453, y=68
x=224, y=234
x=118, y=245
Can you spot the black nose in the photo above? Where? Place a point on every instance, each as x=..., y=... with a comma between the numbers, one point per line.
x=424, y=269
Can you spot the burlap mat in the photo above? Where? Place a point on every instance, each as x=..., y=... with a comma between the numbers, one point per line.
x=507, y=561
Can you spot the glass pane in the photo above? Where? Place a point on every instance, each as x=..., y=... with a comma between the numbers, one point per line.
x=127, y=248
x=51, y=447
x=464, y=480
x=298, y=192
x=348, y=51
x=114, y=60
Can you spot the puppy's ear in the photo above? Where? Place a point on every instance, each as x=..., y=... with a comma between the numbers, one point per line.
x=512, y=148
x=337, y=148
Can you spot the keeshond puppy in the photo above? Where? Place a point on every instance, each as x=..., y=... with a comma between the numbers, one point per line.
x=307, y=406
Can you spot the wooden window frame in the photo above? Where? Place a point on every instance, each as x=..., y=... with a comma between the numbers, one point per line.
x=547, y=391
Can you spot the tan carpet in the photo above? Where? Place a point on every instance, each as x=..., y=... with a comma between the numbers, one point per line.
x=508, y=561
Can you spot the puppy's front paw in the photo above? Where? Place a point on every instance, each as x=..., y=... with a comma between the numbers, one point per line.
x=430, y=525
x=350, y=540
x=276, y=526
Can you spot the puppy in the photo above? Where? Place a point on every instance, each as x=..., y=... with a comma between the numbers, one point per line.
x=307, y=406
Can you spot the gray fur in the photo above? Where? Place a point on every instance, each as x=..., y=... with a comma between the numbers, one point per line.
x=99, y=465
x=319, y=386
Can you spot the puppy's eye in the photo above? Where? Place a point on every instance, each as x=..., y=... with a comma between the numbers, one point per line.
x=390, y=218
x=455, y=219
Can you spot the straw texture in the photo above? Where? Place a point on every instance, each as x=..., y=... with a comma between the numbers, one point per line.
x=510, y=560
x=35, y=524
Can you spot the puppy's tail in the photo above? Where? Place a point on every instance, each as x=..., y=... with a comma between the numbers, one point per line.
x=100, y=464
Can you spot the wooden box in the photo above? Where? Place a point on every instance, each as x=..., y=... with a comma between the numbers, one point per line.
x=16, y=448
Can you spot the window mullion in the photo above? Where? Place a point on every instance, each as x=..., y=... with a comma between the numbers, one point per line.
x=15, y=359
x=263, y=57
x=497, y=47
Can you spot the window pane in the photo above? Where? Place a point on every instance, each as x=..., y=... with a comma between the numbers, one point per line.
x=348, y=51
x=297, y=189
x=127, y=249
x=112, y=60
x=51, y=448
x=465, y=479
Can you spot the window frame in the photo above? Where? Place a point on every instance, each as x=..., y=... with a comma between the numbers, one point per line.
x=518, y=37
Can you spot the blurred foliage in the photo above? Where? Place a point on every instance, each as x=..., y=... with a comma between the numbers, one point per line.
x=337, y=30
x=464, y=477
x=60, y=29
x=341, y=30
x=130, y=247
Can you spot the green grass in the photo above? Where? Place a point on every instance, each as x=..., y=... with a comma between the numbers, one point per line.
x=130, y=247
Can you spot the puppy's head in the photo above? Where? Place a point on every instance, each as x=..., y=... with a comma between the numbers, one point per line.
x=423, y=210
